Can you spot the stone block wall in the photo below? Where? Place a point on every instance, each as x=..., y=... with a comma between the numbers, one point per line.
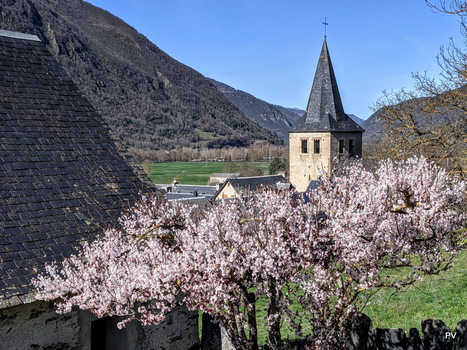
x=304, y=166
x=37, y=326
x=357, y=140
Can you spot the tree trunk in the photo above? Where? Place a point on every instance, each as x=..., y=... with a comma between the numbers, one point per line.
x=250, y=302
x=275, y=327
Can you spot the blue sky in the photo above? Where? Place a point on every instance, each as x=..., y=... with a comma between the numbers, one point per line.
x=270, y=48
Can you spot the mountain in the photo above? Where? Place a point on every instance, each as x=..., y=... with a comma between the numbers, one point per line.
x=373, y=127
x=150, y=100
x=292, y=114
x=262, y=112
x=356, y=119
x=428, y=113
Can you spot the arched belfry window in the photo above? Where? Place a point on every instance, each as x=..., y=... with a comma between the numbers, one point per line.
x=316, y=146
x=341, y=146
x=304, y=146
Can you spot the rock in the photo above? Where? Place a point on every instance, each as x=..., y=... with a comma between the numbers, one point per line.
x=414, y=340
x=359, y=325
x=211, y=334
x=461, y=335
x=390, y=339
x=436, y=336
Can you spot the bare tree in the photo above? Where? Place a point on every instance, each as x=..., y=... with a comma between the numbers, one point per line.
x=431, y=119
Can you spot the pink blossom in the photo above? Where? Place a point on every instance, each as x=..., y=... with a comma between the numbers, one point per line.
x=323, y=253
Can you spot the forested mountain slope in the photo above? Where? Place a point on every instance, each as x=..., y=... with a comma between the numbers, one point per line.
x=262, y=112
x=150, y=100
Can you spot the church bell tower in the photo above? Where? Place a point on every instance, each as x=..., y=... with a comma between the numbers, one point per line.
x=324, y=131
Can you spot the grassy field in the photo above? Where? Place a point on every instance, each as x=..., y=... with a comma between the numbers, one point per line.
x=441, y=297
x=191, y=173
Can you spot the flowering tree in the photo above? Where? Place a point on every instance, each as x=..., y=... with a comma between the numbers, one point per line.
x=320, y=253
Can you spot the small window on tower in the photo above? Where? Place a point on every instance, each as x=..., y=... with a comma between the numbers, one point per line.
x=351, y=147
x=304, y=146
x=341, y=146
x=316, y=146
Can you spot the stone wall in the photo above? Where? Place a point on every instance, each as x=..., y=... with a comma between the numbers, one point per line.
x=357, y=140
x=37, y=326
x=435, y=336
x=304, y=166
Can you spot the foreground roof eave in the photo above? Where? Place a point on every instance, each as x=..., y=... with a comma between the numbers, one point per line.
x=16, y=300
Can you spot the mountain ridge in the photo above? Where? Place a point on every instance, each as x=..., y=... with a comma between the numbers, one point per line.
x=275, y=118
x=149, y=99
x=426, y=112
x=356, y=119
x=264, y=113
x=291, y=113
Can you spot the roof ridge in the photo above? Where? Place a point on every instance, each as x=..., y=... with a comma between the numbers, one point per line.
x=254, y=177
x=18, y=35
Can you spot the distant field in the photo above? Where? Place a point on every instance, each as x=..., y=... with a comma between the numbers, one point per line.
x=191, y=173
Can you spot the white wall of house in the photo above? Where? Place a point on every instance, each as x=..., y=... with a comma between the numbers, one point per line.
x=37, y=326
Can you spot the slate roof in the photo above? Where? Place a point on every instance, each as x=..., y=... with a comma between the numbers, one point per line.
x=62, y=177
x=313, y=185
x=199, y=189
x=324, y=110
x=225, y=175
x=249, y=184
x=186, y=191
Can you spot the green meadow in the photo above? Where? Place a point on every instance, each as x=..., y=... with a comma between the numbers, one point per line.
x=442, y=297
x=192, y=173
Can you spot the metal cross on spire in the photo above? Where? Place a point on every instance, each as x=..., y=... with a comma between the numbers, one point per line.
x=325, y=25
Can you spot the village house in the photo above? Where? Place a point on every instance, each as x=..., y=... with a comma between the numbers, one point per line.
x=62, y=180
x=243, y=186
x=324, y=132
x=176, y=191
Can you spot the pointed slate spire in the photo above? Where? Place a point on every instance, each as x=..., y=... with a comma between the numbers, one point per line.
x=324, y=111
x=324, y=97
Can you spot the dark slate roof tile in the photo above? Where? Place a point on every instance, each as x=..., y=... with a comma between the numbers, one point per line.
x=7, y=265
x=14, y=247
x=56, y=158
